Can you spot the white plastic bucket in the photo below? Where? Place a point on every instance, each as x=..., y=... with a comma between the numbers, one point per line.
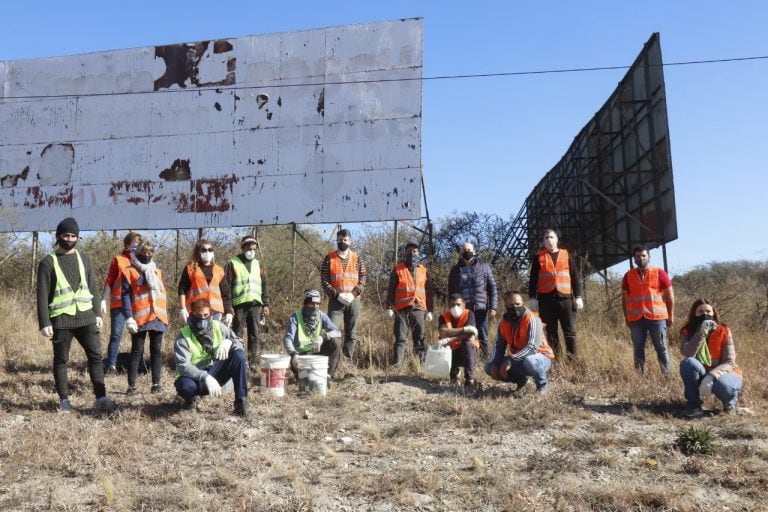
x=437, y=363
x=313, y=374
x=273, y=368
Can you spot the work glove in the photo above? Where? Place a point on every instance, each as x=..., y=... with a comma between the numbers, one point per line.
x=104, y=307
x=533, y=305
x=47, y=331
x=579, y=303
x=430, y=316
x=345, y=298
x=295, y=361
x=132, y=326
x=228, y=319
x=707, y=326
x=470, y=329
x=183, y=315
x=390, y=313
x=442, y=342
x=99, y=323
x=214, y=388
x=705, y=386
x=317, y=344
x=222, y=353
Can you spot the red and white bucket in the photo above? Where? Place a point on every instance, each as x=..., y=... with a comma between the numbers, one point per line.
x=273, y=368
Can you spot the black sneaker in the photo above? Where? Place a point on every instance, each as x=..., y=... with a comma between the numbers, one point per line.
x=469, y=386
x=65, y=406
x=693, y=411
x=132, y=390
x=155, y=388
x=110, y=371
x=190, y=405
x=241, y=408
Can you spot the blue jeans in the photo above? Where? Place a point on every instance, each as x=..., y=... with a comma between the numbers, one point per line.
x=235, y=368
x=640, y=329
x=535, y=366
x=726, y=388
x=116, y=328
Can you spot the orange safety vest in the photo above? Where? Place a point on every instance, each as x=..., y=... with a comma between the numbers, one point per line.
x=644, y=299
x=715, y=343
x=200, y=288
x=461, y=322
x=516, y=341
x=115, y=299
x=411, y=290
x=554, y=275
x=143, y=306
x=343, y=280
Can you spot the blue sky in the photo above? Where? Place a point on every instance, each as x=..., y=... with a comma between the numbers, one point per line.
x=488, y=141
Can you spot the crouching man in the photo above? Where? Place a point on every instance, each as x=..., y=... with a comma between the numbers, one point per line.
x=458, y=325
x=207, y=354
x=310, y=331
x=521, y=335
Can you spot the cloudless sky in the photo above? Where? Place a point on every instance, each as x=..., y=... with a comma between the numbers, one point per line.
x=488, y=141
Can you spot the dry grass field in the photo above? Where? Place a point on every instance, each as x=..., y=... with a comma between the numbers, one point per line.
x=604, y=438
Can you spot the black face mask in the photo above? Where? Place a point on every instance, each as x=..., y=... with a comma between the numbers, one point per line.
x=66, y=244
x=410, y=259
x=343, y=246
x=700, y=318
x=514, y=313
x=467, y=256
x=144, y=258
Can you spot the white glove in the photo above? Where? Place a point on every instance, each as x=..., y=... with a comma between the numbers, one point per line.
x=99, y=323
x=183, y=315
x=104, y=307
x=470, y=329
x=705, y=386
x=228, y=319
x=333, y=334
x=345, y=298
x=579, y=302
x=317, y=344
x=47, y=331
x=390, y=313
x=214, y=388
x=430, y=316
x=443, y=342
x=132, y=326
x=708, y=326
x=222, y=353
x=533, y=304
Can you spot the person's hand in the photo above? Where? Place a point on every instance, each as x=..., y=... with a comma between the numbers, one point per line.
x=295, y=361
x=492, y=313
x=430, y=316
x=132, y=326
x=707, y=326
x=214, y=388
x=390, y=313
x=317, y=344
x=503, y=369
x=47, y=331
x=579, y=303
x=705, y=386
x=265, y=311
x=103, y=307
x=183, y=315
x=533, y=305
x=345, y=298
x=222, y=353
x=471, y=329
x=670, y=320
x=99, y=323
x=228, y=319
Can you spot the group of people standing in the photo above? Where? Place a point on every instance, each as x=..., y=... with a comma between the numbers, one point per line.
x=217, y=304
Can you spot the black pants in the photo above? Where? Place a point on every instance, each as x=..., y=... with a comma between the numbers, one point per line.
x=137, y=353
x=331, y=347
x=481, y=321
x=554, y=310
x=350, y=314
x=409, y=320
x=248, y=315
x=464, y=356
x=88, y=337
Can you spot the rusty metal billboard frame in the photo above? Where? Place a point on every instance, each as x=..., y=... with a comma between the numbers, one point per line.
x=613, y=189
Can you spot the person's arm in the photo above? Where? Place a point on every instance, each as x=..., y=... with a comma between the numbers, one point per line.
x=264, y=289
x=535, y=333
x=325, y=277
x=93, y=286
x=45, y=282
x=182, y=356
x=727, y=358
x=290, y=334
x=454, y=280
x=690, y=343
x=391, y=288
x=226, y=295
x=533, y=279
x=493, y=292
x=362, y=277
x=669, y=300
x=428, y=291
x=452, y=332
x=499, y=348
x=184, y=284
x=227, y=333
x=112, y=275
x=127, y=299
x=575, y=275
x=624, y=293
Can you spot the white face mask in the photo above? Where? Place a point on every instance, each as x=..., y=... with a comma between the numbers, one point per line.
x=456, y=311
x=206, y=257
x=249, y=255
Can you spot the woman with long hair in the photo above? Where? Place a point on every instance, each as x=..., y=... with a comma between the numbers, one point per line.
x=202, y=278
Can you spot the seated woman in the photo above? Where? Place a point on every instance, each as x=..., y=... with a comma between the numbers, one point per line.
x=709, y=366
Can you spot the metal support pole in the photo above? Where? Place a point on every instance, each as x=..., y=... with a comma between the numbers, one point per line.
x=199, y=233
x=176, y=270
x=664, y=254
x=394, y=253
x=35, y=242
x=293, y=262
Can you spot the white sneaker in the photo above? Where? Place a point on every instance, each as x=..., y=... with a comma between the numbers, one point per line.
x=105, y=404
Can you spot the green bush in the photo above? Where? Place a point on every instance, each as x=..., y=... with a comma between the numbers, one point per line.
x=696, y=441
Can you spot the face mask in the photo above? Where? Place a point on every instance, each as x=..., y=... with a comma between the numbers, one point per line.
x=199, y=324
x=456, y=311
x=468, y=255
x=66, y=244
x=641, y=262
x=409, y=259
x=206, y=257
x=309, y=312
x=701, y=318
x=144, y=258
x=249, y=255
x=343, y=246
x=514, y=313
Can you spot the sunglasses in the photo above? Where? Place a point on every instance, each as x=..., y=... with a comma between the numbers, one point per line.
x=206, y=249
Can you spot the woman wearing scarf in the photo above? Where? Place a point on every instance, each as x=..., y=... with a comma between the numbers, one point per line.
x=204, y=279
x=709, y=366
x=146, y=310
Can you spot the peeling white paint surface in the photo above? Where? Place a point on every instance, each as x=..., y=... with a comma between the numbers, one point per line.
x=302, y=127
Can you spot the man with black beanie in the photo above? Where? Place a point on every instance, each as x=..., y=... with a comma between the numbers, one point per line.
x=67, y=308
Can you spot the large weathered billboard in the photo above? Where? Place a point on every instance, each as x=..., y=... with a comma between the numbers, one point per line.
x=313, y=126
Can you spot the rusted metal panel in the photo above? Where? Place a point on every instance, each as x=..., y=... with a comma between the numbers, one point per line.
x=312, y=126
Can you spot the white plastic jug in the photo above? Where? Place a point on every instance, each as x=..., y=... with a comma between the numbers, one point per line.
x=437, y=364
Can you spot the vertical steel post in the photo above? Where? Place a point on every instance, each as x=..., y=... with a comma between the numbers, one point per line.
x=32, y=276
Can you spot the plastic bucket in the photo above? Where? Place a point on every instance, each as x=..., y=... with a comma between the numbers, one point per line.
x=273, y=368
x=437, y=363
x=313, y=374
